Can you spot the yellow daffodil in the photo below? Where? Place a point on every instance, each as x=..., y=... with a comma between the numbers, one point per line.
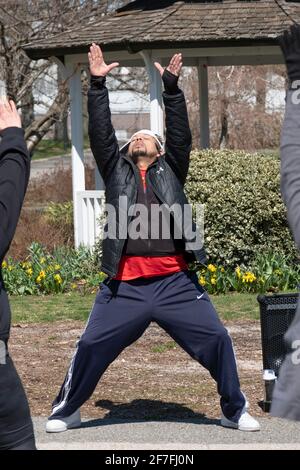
x=26, y=265
x=249, y=277
x=58, y=278
x=212, y=268
x=238, y=272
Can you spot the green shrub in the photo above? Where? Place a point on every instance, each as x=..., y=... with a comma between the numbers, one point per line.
x=244, y=212
x=59, y=213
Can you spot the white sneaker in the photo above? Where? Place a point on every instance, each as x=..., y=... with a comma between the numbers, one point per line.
x=245, y=423
x=63, y=424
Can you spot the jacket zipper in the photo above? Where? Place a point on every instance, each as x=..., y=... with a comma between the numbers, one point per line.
x=149, y=222
x=119, y=252
x=161, y=199
x=148, y=182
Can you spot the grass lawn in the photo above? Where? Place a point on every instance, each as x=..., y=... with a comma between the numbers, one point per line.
x=52, y=148
x=35, y=309
x=73, y=306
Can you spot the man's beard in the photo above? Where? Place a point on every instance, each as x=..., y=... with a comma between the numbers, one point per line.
x=139, y=153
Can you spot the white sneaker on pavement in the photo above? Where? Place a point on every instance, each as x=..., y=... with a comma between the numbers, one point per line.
x=245, y=423
x=63, y=424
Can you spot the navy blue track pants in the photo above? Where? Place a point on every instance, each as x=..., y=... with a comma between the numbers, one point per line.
x=122, y=312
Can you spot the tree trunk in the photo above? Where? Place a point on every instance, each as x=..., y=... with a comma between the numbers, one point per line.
x=261, y=92
x=224, y=137
x=40, y=127
x=261, y=98
x=27, y=109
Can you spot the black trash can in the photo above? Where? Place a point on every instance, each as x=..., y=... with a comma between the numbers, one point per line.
x=276, y=314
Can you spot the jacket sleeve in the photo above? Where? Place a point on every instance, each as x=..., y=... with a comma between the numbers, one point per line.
x=14, y=175
x=178, y=135
x=102, y=136
x=290, y=161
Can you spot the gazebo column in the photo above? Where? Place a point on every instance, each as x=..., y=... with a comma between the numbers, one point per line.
x=156, y=109
x=78, y=173
x=204, y=105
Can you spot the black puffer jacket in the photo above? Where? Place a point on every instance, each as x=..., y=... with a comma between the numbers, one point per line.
x=166, y=176
x=14, y=175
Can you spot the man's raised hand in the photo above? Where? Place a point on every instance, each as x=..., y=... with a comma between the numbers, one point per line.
x=9, y=116
x=174, y=66
x=170, y=74
x=98, y=67
x=289, y=42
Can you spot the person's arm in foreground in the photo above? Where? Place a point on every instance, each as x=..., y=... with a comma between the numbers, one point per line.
x=102, y=136
x=178, y=133
x=286, y=395
x=14, y=172
x=290, y=137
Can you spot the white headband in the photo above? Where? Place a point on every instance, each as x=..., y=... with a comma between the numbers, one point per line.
x=143, y=131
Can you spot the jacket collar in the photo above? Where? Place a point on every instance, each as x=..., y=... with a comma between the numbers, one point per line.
x=128, y=159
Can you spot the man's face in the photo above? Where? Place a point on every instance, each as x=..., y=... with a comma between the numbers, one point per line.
x=143, y=145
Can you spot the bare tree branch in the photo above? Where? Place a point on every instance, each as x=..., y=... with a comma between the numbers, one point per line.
x=22, y=22
x=40, y=127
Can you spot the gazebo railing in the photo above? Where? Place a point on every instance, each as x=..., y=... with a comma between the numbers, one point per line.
x=89, y=207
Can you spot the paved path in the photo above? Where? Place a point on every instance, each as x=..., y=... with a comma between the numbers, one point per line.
x=107, y=434
x=46, y=165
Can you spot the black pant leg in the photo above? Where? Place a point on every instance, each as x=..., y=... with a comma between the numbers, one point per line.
x=15, y=421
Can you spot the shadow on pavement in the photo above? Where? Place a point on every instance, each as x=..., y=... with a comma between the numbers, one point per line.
x=147, y=410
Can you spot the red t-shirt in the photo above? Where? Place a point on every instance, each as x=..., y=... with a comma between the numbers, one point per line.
x=132, y=267
x=143, y=176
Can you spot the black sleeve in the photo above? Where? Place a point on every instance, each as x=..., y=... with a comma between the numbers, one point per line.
x=102, y=136
x=14, y=176
x=178, y=135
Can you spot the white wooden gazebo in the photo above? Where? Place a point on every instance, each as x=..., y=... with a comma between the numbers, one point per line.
x=207, y=32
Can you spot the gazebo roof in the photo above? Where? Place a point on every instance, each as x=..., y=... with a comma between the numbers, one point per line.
x=153, y=24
